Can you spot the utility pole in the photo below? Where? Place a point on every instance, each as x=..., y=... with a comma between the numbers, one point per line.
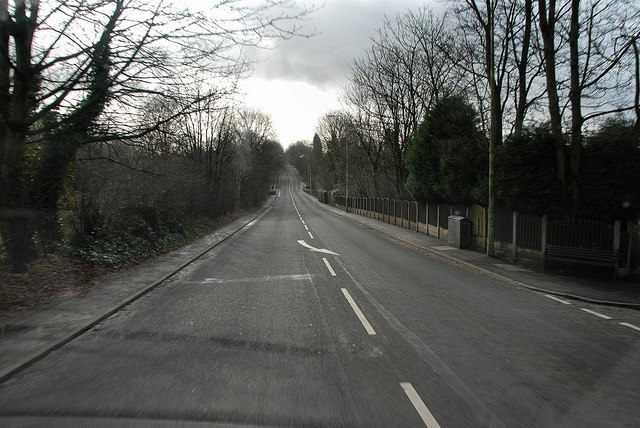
x=308, y=169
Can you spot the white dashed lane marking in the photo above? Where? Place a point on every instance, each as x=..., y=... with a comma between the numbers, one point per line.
x=358, y=312
x=564, y=302
x=328, y=265
x=626, y=324
x=598, y=314
x=419, y=405
x=303, y=223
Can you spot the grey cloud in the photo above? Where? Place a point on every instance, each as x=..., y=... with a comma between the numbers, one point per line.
x=343, y=29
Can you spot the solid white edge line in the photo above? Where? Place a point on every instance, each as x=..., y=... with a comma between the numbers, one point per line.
x=331, y=271
x=419, y=405
x=626, y=324
x=358, y=312
x=598, y=314
x=557, y=300
x=310, y=235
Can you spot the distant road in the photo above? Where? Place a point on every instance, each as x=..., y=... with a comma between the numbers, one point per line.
x=308, y=319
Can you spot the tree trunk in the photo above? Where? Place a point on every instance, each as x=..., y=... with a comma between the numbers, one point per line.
x=495, y=129
x=636, y=57
x=547, y=30
x=575, y=96
x=521, y=107
x=60, y=149
x=59, y=152
x=15, y=215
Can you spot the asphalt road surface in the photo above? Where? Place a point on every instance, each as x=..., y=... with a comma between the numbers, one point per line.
x=308, y=319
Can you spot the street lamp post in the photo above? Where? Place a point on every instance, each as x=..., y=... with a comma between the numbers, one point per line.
x=346, y=181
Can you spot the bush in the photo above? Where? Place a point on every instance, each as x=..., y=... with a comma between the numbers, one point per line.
x=526, y=178
x=136, y=232
x=610, y=173
x=444, y=158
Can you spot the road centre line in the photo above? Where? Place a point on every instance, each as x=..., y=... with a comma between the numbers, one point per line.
x=358, y=312
x=298, y=211
x=310, y=235
x=419, y=405
x=326, y=263
x=626, y=324
x=294, y=202
x=427, y=354
x=564, y=302
x=598, y=314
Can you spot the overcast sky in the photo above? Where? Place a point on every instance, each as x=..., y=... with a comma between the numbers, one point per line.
x=300, y=80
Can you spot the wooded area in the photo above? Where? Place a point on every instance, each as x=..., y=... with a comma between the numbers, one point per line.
x=119, y=117
x=119, y=125
x=538, y=101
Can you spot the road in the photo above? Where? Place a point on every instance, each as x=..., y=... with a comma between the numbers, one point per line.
x=347, y=328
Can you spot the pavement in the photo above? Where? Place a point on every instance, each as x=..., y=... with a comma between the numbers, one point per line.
x=619, y=293
x=32, y=334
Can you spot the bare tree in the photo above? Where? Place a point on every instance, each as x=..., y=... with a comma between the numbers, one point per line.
x=548, y=18
x=601, y=35
x=344, y=154
x=254, y=131
x=488, y=64
x=405, y=70
x=525, y=41
x=78, y=71
x=636, y=78
x=588, y=51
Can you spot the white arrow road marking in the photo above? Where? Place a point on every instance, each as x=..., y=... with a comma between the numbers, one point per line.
x=317, y=250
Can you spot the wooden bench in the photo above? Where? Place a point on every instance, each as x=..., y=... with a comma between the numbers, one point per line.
x=587, y=256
